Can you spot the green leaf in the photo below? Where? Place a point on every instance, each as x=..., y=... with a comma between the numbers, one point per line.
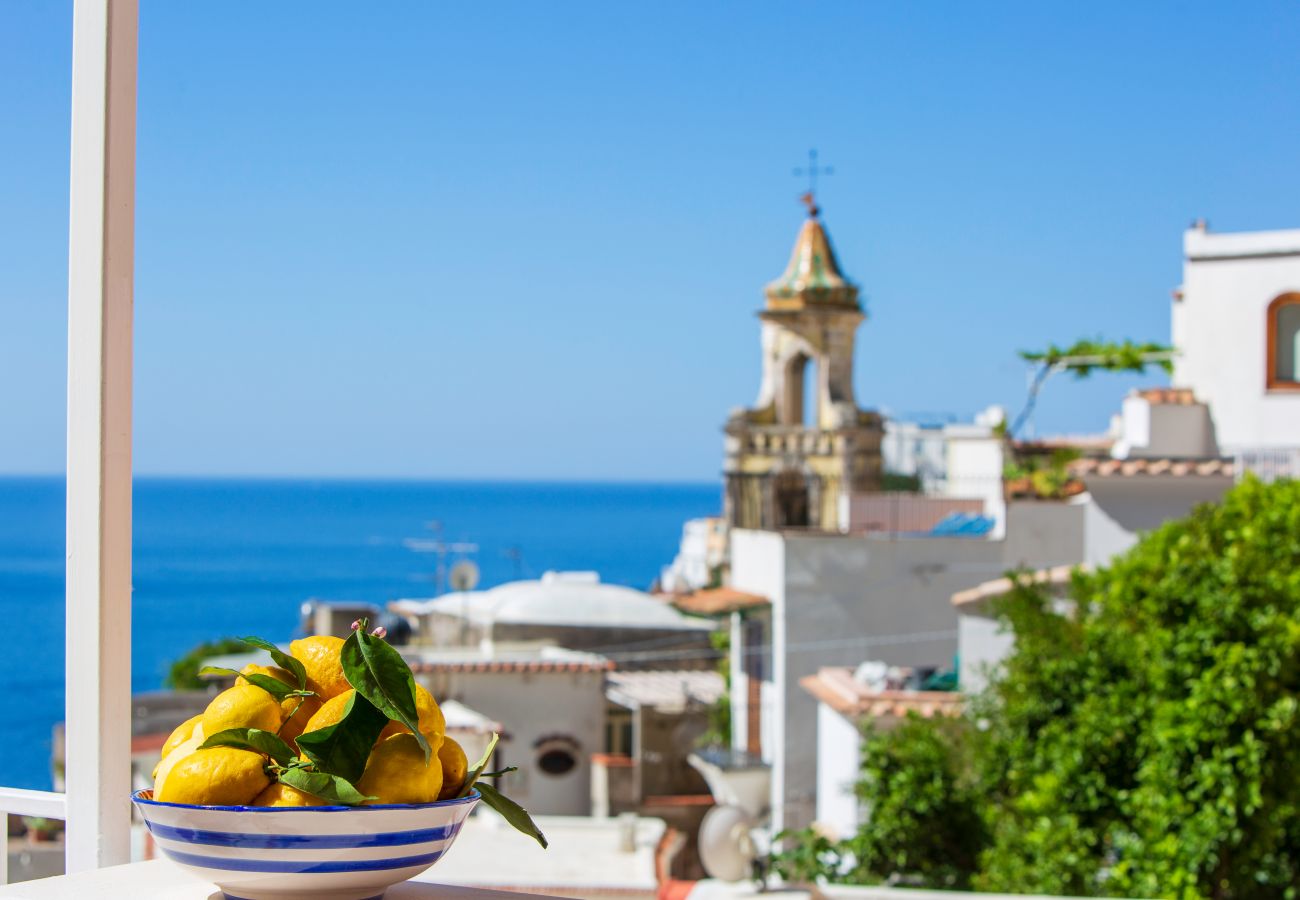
x=273, y=686
x=506, y=771
x=512, y=812
x=379, y=674
x=252, y=739
x=477, y=769
x=282, y=659
x=330, y=788
x=342, y=748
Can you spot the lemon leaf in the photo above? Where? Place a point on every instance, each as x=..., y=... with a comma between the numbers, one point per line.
x=252, y=739
x=282, y=659
x=512, y=812
x=272, y=685
x=477, y=769
x=342, y=748
x=379, y=674
x=330, y=788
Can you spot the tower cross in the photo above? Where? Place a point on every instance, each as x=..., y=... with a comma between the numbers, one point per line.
x=812, y=170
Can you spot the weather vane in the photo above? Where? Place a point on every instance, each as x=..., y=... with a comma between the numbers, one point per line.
x=812, y=170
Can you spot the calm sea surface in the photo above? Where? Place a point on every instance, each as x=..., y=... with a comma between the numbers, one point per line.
x=224, y=557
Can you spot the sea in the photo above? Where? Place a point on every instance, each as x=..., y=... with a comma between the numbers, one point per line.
x=222, y=557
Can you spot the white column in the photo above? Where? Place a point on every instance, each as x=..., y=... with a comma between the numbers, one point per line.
x=100, y=273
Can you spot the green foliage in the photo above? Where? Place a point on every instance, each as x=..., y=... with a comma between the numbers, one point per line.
x=382, y=677
x=184, y=672
x=924, y=827
x=894, y=481
x=1083, y=357
x=1048, y=479
x=1150, y=745
x=718, y=733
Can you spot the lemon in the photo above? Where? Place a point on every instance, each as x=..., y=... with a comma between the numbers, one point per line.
x=280, y=794
x=329, y=713
x=168, y=762
x=242, y=706
x=432, y=724
x=454, y=768
x=218, y=776
x=183, y=732
x=320, y=656
x=296, y=717
x=396, y=772
x=273, y=671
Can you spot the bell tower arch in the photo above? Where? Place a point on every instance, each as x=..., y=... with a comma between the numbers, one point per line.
x=778, y=448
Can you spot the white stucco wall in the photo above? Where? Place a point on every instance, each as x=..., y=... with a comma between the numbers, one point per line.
x=531, y=706
x=840, y=744
x=838, y=600
x=1219, y=329
x=983, y=643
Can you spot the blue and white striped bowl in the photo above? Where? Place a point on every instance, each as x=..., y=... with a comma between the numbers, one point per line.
x=295, y=853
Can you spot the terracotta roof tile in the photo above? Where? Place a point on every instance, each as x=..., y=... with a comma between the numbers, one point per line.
x=837, y=688
x=1130, y=468
x=717, y=601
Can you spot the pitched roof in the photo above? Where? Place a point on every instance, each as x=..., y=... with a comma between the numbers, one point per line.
x=837, y=688
x=718, y=601
x=1164, y=465
x=668, y=691
x=1056, y=576
x=813, y=274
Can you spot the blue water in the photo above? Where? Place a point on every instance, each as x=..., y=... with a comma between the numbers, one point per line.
x=215, y=558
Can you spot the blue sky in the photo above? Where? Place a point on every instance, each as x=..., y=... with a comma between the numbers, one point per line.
x=527, y=240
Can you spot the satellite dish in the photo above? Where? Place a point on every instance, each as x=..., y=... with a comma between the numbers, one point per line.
x=464, y=576
x=726, y=847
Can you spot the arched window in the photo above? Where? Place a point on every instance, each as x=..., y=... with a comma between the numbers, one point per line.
x=1284, y=343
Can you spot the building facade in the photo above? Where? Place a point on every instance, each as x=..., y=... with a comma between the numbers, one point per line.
x=792, y=462
x=1236, y=327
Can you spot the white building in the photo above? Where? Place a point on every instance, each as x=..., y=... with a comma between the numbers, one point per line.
x=835, y=600
x=845, y=703
x=550, y=703
x=575, y=610
x=1236, y=327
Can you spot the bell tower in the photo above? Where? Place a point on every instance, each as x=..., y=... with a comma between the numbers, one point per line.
x=788, y=466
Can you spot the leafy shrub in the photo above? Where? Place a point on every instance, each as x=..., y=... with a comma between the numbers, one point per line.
x=1149, y=746
x=922, y=826
x=184, y=672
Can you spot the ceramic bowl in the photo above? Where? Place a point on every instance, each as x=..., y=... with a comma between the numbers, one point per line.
x=296, y=853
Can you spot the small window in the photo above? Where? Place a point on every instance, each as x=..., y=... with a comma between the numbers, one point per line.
x=556, y=755
x=1284, y=343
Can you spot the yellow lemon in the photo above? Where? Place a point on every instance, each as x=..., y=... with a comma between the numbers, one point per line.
x=183, y=733
x=396, y=772
x=319, y=655
x=296, y=717
x=329, y=713
x=242, y=706
x=280, y=794
x=454, y=768
x=168, y=762
x=273, y=671
x=218, y=776
x=432, y=724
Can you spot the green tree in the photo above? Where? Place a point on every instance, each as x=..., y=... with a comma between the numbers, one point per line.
x=183, y=675
x=1084, y=357
x=921, y=824
x=1149, y=745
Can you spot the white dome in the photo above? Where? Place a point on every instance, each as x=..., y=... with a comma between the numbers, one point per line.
x=564, y=598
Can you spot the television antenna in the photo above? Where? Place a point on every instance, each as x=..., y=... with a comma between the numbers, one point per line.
x=441, y=549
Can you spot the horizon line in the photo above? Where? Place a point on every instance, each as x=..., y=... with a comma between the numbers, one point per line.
x=466, y=479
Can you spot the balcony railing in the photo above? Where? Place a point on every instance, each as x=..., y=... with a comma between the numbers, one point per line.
x=1268, y=463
